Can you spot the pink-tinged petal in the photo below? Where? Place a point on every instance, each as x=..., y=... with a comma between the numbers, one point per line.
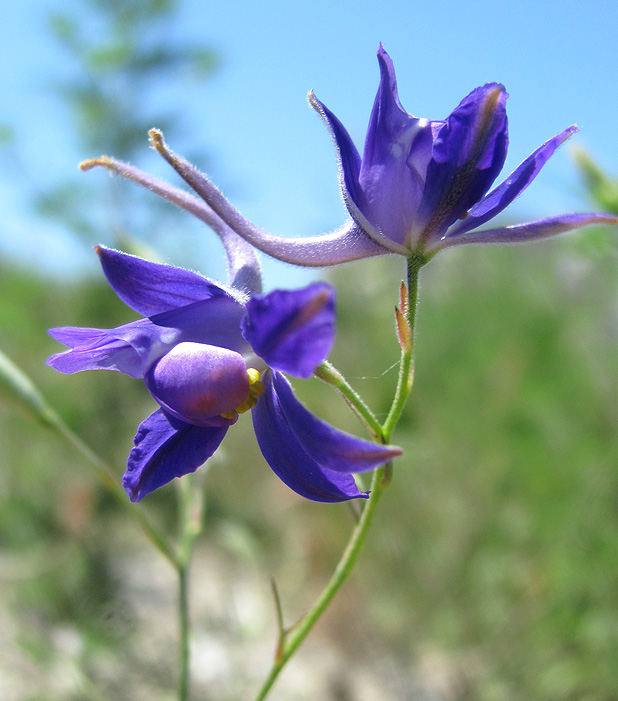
x=500, y=197
x=166, y=448
x=152, y=288
x=468, y=154
x=522, y=233
x=292, y=330
x=197, y=383
x=243, y=265
x=289, y=460
x=93, y=349
x=329, y=447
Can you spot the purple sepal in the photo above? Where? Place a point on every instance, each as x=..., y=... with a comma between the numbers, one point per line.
x=397, y=149
x=166, y=448
x=292, y=330
x=289, y=460
x=468, y=154
x=533, y=231
x=151, y=288
x=93, y=349
x=511, y=187
x=326, y=445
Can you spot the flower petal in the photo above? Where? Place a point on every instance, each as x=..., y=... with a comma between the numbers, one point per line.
x=329, y=447
x=510, y=188
x=288, y=459
x=166, y=448
x=93, y=349
x=197, y=383
x=521, y=233
x=397, y=151
x=292, y=330
x=151, y=288
x=468, y=153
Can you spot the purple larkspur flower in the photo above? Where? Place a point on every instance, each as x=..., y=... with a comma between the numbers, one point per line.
x=420, y=186
x=209, y=352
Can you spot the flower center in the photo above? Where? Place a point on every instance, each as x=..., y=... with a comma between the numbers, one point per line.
x=256, y=390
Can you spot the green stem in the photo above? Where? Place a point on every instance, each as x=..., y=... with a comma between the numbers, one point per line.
x=190, y=522
x=184, y=630
x=406, y=366
x=327, y=372
x=295, y=636
x=291, y=639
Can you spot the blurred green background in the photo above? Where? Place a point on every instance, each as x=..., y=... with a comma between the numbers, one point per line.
x=492, y=569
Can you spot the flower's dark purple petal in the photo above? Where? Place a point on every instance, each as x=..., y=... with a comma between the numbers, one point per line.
x=397, y=150
x=243, y=265
x=197, y=383
x=521, y=233
x=289, y=460
x=166, y=448
x=468, y=153
x=292, y=330
x=215, y=321
x=510, y=188
x=329, y=447
x=153, y=288
x=93, y=349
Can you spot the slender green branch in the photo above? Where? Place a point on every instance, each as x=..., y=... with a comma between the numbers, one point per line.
x=295, y=636
x=190, y=524
x=406, y=366
x=290, y=640
x=327, y=372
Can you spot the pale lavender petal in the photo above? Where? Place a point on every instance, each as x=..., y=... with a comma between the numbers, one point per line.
x=329, y=447
x=292, y=330
x=166, y=448
x=521, y=233
x=243, y=265
x=468, y=154
x=197, y=383
x=93, y=349
x=288, y=459
x=151, y=288
x=510, y=188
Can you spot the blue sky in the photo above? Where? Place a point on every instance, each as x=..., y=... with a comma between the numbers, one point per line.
x=272, y=154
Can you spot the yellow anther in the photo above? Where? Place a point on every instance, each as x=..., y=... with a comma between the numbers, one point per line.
x=256, y=390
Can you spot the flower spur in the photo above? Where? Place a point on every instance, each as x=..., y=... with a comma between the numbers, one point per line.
x=207, y=353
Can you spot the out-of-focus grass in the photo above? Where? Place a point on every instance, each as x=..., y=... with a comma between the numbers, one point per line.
x=495, y=550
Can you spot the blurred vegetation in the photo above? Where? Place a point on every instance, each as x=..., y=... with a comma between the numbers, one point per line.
x=493, y=562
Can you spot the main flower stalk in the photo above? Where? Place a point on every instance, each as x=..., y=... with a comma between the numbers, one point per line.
x=291, y=639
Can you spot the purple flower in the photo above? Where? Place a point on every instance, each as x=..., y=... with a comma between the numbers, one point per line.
x=420, y=186
x=207, y=353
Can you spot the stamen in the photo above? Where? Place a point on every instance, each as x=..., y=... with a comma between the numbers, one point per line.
x=256, y=390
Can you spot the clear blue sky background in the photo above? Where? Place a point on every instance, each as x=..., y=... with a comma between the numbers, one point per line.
x=274, y=156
